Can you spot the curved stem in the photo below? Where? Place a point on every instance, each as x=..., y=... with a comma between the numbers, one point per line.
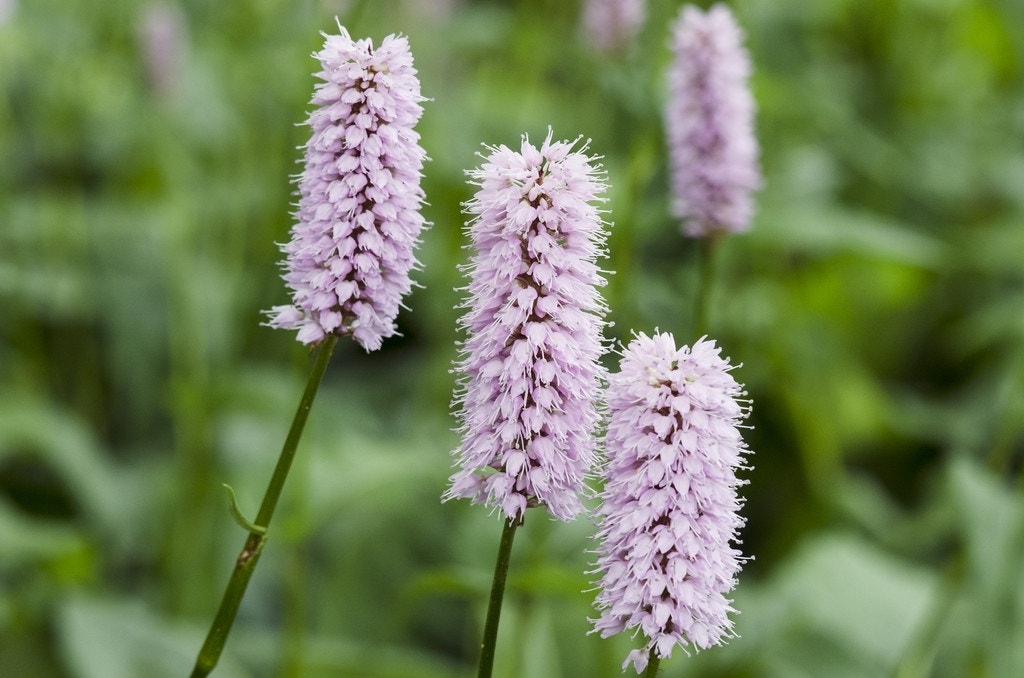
x=497, y=594
x=253, y=547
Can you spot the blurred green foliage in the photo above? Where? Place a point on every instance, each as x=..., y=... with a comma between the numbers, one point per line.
x=877, y=307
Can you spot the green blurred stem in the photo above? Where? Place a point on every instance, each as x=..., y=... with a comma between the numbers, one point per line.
x=653, y=660
x=253, y=547
x=497, y=594
x=707, y=265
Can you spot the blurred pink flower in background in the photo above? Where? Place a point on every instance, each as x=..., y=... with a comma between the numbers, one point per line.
x=709, y=119
x=163, y=41
x=610, y=25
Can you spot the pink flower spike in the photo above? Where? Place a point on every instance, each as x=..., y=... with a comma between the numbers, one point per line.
x=709, y=120
x=358, y=217
x=529, y=376
x=670, y=507
x=611, y=25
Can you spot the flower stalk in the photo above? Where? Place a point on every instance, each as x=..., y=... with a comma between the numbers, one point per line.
x=529, y=375
x=708, y=259
x=351, y=251
x=490, y=638
x=249, y=556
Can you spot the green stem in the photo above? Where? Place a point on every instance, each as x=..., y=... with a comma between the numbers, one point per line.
x=708, y=247
x=653, y=660
x=253, y=547
x=497, y=594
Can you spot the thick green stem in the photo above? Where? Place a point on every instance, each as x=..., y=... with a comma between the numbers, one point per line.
x=497, y=594
x=653, y=660
x=253, y=547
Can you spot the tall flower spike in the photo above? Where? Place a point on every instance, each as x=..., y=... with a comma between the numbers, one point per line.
x=709, y=122
x=529, y=373
x=351, y=252
x=611, y=25
x=670, y=506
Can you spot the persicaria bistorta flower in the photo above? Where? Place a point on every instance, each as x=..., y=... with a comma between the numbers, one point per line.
x=670, y=507
x=163, y=41
x=709, y=122
x=529, y=376
x=351, y=252
x=610, y=25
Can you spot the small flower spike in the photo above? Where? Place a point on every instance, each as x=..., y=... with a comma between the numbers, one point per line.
x=670, y=508
x=610, y=25
x=709, y=121
x=351, y=252
x=529, y=376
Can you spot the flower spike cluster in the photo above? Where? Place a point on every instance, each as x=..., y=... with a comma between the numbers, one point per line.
x=709, y=123
x=611, y=25
x=529, y=374
x=670, y=505
x=351, y=252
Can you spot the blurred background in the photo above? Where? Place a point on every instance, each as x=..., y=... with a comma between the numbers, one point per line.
x=876, y=307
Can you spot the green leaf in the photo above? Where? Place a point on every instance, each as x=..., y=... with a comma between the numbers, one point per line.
x=831, y=230
x=992, y=529
x=236, y=513
x=849, y=600
x=991, y=522
x=31, y=542
x=62, y=442
x=104, y=638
